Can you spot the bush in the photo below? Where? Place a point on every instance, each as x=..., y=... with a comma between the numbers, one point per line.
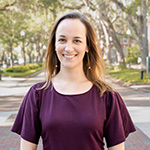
x=32, y=66
x=109, y=66
x=40, y=64
x=119, y=67
x=18, y=68
x=1, y=71
x=133, y=54
x=22, y=68
x=131, y=60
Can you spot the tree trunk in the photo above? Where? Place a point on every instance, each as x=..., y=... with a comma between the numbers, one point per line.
x=37, y=52
x=116, y=43
x=144, y=47
x=119, y=49
x=108, y=44
x=29, y=51
x=30, y=58
x=11, y=54
x=24, y=53
x=141, y=32
x=43, y=55
x=115, y=39
x=3, y=56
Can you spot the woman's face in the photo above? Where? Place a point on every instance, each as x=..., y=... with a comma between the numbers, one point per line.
x=71, y=43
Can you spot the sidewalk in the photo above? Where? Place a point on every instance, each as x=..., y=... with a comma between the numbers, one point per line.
x=12, y=91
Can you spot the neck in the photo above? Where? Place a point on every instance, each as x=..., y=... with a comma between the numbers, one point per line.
x=72, y=75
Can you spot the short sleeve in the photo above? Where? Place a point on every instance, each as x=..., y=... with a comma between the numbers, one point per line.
x=118, y=122
x=27, y=123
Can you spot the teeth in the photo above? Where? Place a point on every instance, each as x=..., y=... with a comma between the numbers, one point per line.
x=69, y=56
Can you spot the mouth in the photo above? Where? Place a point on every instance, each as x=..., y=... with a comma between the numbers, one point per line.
x=69, y=56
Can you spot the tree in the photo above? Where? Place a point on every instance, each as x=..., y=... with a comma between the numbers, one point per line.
x=34, y=17
x=137, y=20
x=10, y=27
x=104, y=14
x=4, y=6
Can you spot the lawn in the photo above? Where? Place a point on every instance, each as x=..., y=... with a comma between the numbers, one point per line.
x=130, y=75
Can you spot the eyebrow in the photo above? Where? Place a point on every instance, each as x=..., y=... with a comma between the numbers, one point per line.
x=62, y=36
x=76, y=37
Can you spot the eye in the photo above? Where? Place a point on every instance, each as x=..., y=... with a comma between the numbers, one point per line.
x=61, y=40
x=77, y=41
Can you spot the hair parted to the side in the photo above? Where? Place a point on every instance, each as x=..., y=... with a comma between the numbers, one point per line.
x=97, y=68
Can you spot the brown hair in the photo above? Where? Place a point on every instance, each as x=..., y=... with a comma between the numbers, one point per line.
x=92, y=58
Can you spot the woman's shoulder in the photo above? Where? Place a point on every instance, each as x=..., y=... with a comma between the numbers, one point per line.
x=36, y=92
x=113, y=98
x=107, y=93
x=38, y=85
x=41, y=86
x=111, y=93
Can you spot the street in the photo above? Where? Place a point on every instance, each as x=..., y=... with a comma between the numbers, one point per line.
x=12, y=91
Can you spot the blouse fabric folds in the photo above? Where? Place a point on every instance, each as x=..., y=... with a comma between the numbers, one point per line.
x=73, y=122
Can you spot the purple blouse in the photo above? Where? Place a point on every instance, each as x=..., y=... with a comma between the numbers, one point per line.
x=73, y=122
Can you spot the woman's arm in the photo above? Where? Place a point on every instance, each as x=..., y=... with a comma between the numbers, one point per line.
x=25, y=145
x=117, y=147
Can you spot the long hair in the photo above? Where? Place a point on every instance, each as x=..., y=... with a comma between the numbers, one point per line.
x=93, y=58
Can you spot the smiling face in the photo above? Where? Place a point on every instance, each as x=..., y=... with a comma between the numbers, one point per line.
x=71, y=43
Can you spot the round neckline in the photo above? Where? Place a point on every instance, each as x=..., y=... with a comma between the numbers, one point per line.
x=77, y=94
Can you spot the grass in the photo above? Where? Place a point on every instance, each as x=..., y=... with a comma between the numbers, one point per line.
x=20, y=74
x=130, y=75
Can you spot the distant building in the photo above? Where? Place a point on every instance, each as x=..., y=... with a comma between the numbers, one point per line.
x=125, y=42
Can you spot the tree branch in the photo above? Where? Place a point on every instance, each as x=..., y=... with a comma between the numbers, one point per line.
x=130, y=20
x=122, y=7
x=115, y=19
x=7, y=6
x=75, y=7
x=129, y=17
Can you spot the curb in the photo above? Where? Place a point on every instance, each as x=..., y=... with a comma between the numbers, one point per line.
x=127, y=84
x=118, y=81
x=34, y=74
x=28, y=76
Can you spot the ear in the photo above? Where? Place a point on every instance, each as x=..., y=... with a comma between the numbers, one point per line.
x=87, y=50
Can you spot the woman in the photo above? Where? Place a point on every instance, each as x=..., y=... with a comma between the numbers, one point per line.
x=75, y=109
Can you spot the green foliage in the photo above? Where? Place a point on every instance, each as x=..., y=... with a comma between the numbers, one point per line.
x=48, y=3
x=129, y=75
x=22, y=68
x=133, y=54
x=132, y=8
x=34, y=17
x=19, y=68
x=21, y=74
x=32, y=66
x=1, y=71
x=41, y=64
x=119, y=67
x=115, y=67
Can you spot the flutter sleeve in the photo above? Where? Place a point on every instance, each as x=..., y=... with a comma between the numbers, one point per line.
x=27, y=123
x=118, y=122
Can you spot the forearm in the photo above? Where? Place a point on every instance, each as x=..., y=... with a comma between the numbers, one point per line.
x=117, y=147
x=25, y=145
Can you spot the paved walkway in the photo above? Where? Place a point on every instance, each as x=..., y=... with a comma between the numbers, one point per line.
x=12, y=91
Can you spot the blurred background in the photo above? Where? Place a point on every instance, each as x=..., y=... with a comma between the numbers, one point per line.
x=122, y=27
x=123, y=31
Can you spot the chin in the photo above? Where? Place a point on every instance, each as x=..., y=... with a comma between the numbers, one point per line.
x=69, y=67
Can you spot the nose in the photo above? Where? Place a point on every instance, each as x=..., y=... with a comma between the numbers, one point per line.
x=69, y=46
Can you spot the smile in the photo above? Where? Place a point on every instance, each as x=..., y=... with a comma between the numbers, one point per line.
x=69, y=56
